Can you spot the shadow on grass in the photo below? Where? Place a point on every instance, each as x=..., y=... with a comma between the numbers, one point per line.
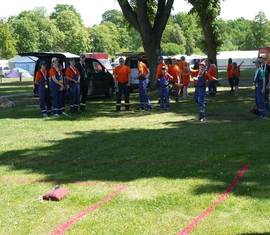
x=220, y=108
x=210, y=151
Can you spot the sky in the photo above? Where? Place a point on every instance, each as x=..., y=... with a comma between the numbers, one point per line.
x=92, y=10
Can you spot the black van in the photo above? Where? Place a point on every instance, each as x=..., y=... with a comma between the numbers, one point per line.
x=101, y=81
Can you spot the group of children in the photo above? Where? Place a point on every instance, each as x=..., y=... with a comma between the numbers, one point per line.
x=53, y=84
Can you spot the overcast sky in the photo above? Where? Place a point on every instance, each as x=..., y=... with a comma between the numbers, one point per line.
x=91, y=14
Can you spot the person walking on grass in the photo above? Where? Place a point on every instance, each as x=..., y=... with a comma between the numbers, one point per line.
x=230, y=75
x=259, y=81
x=164, y=80
x=73, y=77
x=42, y=80
x=236, y=75
x=200, y=89
x=57, y=87
x=143, y=73
x=122, y=83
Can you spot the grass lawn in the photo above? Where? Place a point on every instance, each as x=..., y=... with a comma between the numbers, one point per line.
x=173, y=167
x=11, y=86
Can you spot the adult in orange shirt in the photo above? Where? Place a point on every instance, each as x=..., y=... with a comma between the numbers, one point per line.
x=122, y=83
x=57, y=87
x=73, y=77
x=143, y=73
x=161, y=64
x=174, y=71
x=42, y=80
x=230, y=74
x=212, y=71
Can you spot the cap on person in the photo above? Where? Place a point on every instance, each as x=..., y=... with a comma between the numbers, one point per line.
x=82, y=56
x=160, y=57
x=42, y=62
x=183, y=57
x=54, y=59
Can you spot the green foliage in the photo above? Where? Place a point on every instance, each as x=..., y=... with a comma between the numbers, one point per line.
x=7, y=42
x=75, y=35
x=172, y=48
x=105, y=38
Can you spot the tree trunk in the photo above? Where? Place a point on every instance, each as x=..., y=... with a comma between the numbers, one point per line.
x=210, y=41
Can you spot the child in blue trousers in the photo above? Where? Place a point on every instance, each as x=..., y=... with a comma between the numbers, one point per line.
x=200, y=89
x=164, y=88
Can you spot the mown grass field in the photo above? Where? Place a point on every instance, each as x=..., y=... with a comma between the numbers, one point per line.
x=173, y=167
x=12, y=86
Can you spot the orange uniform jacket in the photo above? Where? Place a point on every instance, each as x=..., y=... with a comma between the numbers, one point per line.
x=229, y=71
x=159, y=69
x=122, y=73
x=71, y=72
x=39, y=75
x=174, y=71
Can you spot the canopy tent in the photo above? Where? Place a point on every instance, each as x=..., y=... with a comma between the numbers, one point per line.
x=17, y=72
x=237, y=56
x=27, y=63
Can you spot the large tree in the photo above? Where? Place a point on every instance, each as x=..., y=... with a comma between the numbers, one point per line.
x=149, y=18
x=208, y=11
x=7, y=41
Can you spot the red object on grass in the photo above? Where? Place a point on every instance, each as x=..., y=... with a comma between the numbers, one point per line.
x=56, y=194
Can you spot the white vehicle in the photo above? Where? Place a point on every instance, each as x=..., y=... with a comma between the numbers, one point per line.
x=132, y=62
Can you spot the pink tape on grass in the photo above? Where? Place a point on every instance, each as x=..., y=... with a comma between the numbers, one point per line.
x=61, y=229
x=189, y=228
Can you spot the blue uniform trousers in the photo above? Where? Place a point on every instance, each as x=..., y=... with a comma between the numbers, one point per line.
x=44, y=100
x=144, y=99
x=75, y=97
x=200, y=100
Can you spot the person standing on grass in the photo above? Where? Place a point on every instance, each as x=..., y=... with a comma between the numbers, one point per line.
x=236, y=75
x=42, y=80
x=57, y=87
x=200, y=88
x=164, y=89
x=230, y=75
x=259, y=81
x=212, y=71
x=73, y=77
x=174, y=71
x=84, y=82
x=122, y=82
x=144, y=99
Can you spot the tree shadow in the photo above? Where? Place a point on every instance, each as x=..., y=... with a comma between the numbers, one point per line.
x=127, y=155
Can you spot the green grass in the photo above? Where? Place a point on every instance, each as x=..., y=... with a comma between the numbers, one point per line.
x=12, y=86
x=173, y=167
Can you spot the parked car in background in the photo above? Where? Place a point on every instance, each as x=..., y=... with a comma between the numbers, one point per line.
x=101, y=57
x=101, y=81
x=4, y=70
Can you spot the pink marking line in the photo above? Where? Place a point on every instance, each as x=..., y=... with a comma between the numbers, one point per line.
x=61, y=229
x=188, y=229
